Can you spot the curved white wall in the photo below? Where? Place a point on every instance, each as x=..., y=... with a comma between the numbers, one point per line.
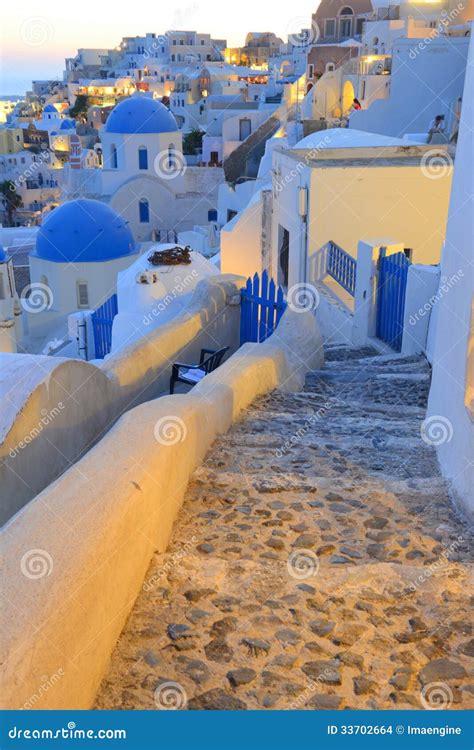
x=40, y=438
x=96, y=528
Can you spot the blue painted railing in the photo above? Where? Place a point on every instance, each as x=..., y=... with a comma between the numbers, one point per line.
x=261, y=307
x=342, y=267
x=102, y=320
x=391, y=292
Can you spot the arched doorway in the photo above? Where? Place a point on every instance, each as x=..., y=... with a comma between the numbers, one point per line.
x=348, y=96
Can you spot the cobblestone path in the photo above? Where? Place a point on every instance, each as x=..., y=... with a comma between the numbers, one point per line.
x=316, y=561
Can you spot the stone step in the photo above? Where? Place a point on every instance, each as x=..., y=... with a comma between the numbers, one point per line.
x=338, y=478
x=344, y=353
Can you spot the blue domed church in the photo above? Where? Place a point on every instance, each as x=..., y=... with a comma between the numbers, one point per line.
x=80, y=248
x=145, y=177
x=143, y=164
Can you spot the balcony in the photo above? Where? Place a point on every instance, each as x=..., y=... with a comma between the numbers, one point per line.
x=369, y=65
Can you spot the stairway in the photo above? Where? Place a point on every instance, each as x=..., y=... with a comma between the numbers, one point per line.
x=317, y=562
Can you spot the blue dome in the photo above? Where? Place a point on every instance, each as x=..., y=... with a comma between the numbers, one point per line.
x=140, y=114
x=50, y=108
x=84, y=231
x=67, y=125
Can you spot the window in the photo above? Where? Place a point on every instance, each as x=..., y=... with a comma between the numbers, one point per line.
x=330, y=27
x=113, y=157
x=345, y=22
x=330, y=67
x=171, y=158
x=142, y=158
x=362, y=89
x=230, y=214
x=144, y=211
x=345, y=27
x=82, y=294
x=310, y=71
x=359, y=27
x=212, y=215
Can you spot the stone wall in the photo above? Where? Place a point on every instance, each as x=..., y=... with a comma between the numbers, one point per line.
x=76, y=556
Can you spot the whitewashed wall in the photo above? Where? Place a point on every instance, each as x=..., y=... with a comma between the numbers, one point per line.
x=451, y=401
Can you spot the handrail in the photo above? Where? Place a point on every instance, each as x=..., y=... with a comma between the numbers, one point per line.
x=341, y=266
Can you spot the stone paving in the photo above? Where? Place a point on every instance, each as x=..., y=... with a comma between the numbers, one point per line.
x=316, y=563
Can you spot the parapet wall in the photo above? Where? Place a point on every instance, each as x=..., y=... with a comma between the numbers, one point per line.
x=53, y=409
x=76, y=556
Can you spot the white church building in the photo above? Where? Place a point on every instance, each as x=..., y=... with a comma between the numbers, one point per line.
x=80, y=249
x=145, y=176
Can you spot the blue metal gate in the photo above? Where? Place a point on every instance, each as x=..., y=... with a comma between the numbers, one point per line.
x=102, y=320
x=260, y=308
x=391, y=290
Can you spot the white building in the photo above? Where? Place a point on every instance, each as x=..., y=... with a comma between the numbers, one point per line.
x=337, y=185
x=426, y=80
x=145, y=177
x=450, y=423
x=407, y=72
x=37, y=178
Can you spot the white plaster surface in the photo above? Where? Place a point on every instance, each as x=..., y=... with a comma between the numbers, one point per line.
x=100, y=527
x=34, y=453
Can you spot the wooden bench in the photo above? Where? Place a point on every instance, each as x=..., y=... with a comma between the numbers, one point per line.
x=192, y=374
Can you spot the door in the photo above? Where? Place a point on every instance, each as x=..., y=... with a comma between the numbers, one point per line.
x=345, y=27
x=245, y=127
x=283, y=256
